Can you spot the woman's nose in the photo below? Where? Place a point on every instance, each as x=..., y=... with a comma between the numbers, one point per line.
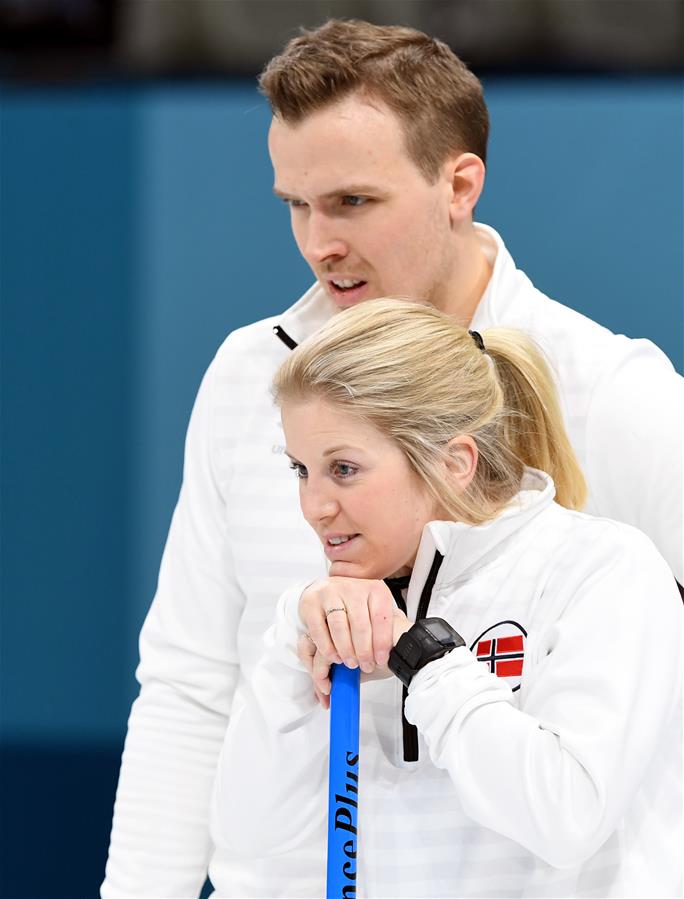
x=318, y=504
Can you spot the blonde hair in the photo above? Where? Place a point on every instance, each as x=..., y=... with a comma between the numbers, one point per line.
x=419, y=377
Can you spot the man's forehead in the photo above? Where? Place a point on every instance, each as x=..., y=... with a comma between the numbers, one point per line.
x=346, y=149
x=347, y=111
x=351, y=125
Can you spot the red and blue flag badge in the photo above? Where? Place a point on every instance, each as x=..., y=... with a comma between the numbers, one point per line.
x=502, y=647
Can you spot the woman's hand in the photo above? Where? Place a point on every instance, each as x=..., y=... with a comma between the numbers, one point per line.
x=349, y=621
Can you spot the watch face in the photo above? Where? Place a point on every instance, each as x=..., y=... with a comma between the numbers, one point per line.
x=439, y=631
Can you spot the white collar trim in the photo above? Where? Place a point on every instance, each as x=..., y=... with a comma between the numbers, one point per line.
x=465, y=546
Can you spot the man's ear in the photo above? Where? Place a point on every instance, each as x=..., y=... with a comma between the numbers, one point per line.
x=461, y=460
x=465, y=173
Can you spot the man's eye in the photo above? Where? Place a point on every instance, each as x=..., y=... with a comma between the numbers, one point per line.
x=299, y=469
x=343, y=469
x=354, y=200
x=294, y=204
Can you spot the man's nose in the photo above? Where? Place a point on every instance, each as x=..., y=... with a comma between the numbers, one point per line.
x=323, y=240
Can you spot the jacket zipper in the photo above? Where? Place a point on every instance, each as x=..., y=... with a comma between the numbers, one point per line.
x=285, y=337
x=410, y=731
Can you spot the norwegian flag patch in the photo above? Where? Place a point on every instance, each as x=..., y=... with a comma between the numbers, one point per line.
x=502, y=647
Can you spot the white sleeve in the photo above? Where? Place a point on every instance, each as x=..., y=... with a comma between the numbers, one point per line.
x=557, y=774
x=635, y=450
x=274, y=762
x=160, y=842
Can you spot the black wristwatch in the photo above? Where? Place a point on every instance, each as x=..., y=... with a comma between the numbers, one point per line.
x=425, y=641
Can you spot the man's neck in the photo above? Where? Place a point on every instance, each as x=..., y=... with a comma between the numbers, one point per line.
x=471, y=274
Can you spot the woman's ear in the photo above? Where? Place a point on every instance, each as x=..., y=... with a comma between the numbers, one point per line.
x=461, y=460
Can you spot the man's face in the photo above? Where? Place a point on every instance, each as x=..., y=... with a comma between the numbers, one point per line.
x=364, y=217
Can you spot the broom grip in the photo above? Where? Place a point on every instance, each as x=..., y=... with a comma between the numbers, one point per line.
x=343, y=784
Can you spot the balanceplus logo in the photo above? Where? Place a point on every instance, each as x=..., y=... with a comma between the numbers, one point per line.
x=346, y=809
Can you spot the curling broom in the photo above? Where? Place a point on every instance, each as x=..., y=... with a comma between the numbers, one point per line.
x=343, y=784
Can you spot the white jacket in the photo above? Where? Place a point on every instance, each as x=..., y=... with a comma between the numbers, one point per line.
x=564, y=780
x=237, y=540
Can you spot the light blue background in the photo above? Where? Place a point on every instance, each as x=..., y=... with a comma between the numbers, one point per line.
x=138, y=229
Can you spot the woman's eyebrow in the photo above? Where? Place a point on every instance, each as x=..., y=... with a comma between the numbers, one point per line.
x=342, y=448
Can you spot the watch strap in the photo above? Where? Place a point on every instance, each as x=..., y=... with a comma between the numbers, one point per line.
x=424, y=642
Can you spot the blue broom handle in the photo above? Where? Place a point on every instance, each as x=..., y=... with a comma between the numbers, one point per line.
x=343, y=784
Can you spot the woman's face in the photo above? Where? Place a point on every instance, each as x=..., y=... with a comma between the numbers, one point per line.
x=356, y=490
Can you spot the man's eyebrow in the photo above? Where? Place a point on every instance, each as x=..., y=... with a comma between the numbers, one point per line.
x=347, y=190
x=352, y=190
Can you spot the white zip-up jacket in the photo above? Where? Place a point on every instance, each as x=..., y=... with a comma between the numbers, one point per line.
x=237, y=540
x=561, y=776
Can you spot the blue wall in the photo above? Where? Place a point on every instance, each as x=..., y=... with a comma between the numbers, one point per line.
x=586, y=183
x=138, y=228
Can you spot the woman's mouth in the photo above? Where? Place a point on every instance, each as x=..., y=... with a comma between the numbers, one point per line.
x=338, y=544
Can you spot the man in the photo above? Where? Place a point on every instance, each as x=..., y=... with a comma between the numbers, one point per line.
x=378, y=144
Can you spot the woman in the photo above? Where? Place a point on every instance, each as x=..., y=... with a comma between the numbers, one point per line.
x=539, y=754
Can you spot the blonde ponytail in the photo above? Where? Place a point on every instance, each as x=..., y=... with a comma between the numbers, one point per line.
x=533, y=427
x=421, y=379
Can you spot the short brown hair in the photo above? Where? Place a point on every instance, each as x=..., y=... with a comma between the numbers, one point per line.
x=436, y=97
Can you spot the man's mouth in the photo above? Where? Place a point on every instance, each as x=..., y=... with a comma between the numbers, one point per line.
x=346, y=291
x=346, y=283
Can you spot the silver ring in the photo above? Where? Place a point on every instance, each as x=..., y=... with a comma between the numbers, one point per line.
x=338, y=609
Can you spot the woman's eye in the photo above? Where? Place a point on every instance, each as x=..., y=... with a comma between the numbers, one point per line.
x=343, y=469
x=299, y=469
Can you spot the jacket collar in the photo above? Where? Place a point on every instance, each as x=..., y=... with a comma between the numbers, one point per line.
x=308, y=314
x=505, y=286
x=467, y=547
x=315, y=307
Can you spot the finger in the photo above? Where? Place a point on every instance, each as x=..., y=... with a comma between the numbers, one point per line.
x=362, y=632
x=321, y=674
x=381, y=609
x=337, y=619
x=306, y=650
x=314, y=600
x=320, y=634
x=322, y=699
